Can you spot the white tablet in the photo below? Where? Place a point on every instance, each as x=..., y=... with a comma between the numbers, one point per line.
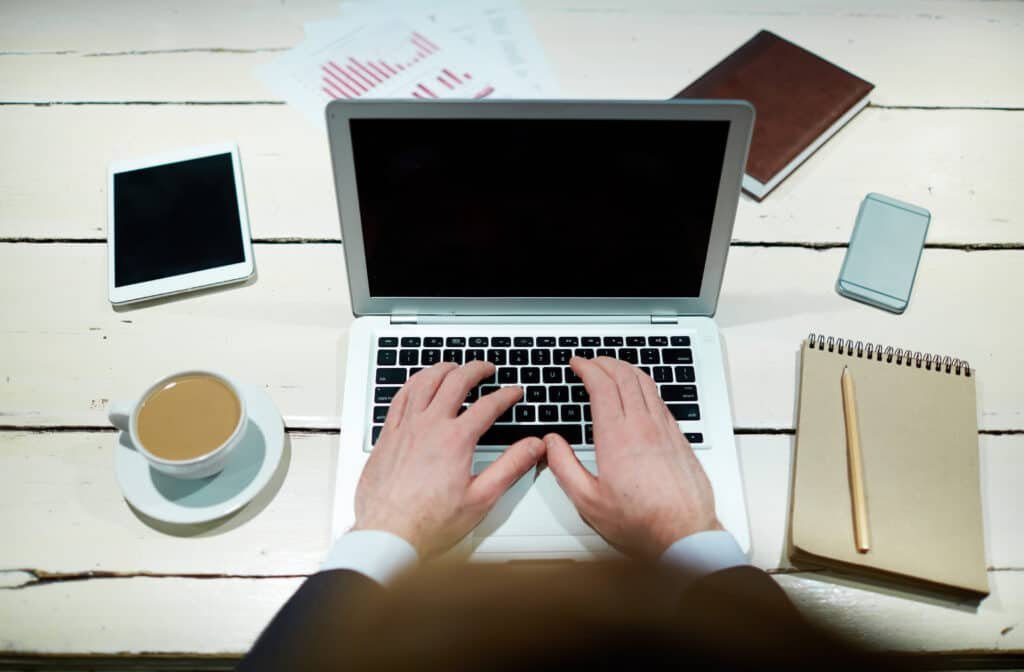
x=176, y=222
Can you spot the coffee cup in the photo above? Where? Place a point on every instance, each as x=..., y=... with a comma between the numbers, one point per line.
x=187, y=424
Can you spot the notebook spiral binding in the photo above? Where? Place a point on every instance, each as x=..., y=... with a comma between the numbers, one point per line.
x=902, y=357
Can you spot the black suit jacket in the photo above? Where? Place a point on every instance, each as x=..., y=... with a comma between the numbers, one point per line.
x=736, y=618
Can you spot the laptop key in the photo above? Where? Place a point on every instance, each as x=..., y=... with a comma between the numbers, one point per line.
x=657, y=341
x=387, y=357
x=568, y=341
x=487, y=389
x=408, y=357
x=694, y=437
x=547, y=413
x=508, y=375
x=433, y=342
x=478, y=341
x=685, y=374
x=679, y=392
x=680, y=341
x=591, y=341
x=497, y=357
x=612, y=341
x=646, y=369
x=452, y=356
x=662, y=374
x=650, y=356
x=414, y=370
x=587, y=415
x=551, y=374
x=636, y=341
x=677, y=356
x=506, y=435
x=529, y=374
x=536, y=394
x=546, y=341
x=571, y=413
x=570, y=376
x=562, y=356
x=429, y=357
x=606, y=352
x=558, y=393
x=501, y=342
x=523, y=341
x=579, y=393
x=475, y=355
x=588, y=434
x=410, y=341
x=540, y=357
x=684, y=411
x=387, y=342
x=456, y=342
x=628, y=355
x=525, y=413
x=384, y=395
x=519, y=356
x=375, y=434
x=585, y=353
x=380, y=414
x=391, y=376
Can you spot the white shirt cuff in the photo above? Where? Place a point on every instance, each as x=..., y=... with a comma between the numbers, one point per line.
x=376, y=554
x=705, y=552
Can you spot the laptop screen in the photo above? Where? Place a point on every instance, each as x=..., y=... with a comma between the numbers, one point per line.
x=536, y=207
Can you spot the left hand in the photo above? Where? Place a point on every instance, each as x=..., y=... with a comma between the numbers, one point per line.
x=418, y=483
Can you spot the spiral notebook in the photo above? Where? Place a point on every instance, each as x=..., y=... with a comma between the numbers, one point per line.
x=917, y=418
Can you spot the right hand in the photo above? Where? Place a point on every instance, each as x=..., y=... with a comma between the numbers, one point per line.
x=651, y=490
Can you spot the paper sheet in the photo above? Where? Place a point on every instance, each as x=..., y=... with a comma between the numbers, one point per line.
x=406, y=49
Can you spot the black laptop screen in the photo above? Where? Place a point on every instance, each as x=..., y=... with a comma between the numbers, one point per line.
x=536, y=208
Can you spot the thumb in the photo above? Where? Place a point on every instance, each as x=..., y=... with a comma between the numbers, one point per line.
x=576, y=481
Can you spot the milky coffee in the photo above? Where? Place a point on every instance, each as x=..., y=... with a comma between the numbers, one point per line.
x=188, y=417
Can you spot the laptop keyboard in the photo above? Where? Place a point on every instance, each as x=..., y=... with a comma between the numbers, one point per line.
x=554, y=398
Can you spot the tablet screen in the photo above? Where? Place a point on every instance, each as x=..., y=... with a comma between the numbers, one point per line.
x=176, y=218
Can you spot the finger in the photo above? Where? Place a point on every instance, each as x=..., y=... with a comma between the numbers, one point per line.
x=625, y=379
x=423, y=385
x=485, y=412
x=457, y=384
x=397, y=411
x=495, y=480
x=578, y=483
x=655, y=406
x=605, y=402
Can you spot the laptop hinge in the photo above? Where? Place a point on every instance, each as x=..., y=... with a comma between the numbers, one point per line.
x=664, y=319
x=403, y=319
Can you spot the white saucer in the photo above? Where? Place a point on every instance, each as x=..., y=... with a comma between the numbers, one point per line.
x=174, y=500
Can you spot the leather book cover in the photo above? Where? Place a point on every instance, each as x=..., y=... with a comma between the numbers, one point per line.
x=798, y=97
x=919, y=441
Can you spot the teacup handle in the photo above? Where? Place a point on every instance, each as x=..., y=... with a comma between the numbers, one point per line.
x=120, y=415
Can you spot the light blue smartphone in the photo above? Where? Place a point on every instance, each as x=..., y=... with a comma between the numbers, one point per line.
x=885, y=248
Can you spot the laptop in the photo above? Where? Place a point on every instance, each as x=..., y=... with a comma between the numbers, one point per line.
x=524, y=233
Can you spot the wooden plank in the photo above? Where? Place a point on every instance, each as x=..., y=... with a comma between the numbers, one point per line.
x=58, y=496
x=62, y=512
x=597, y=49
x=287, y=330
x=772, y=298
x=968, y=185
x=224, y=616
x=286, y=165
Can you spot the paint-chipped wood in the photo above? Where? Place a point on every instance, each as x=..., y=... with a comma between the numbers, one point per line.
x=968, y=185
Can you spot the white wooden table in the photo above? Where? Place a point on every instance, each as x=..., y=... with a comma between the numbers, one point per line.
x=81, y=84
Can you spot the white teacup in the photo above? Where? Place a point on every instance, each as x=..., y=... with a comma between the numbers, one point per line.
x=189, y=423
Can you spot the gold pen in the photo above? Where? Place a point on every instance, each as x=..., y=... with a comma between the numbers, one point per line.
x=861, y=535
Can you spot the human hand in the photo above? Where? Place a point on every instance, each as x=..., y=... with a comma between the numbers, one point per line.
x=650, y=490
x=417, y=482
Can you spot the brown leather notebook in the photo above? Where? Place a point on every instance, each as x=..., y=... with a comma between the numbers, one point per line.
x=918, y=429
x=801, y=100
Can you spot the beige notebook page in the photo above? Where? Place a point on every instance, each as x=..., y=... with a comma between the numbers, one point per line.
x=919, y=438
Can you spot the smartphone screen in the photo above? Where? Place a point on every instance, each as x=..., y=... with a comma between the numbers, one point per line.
x=885, y=248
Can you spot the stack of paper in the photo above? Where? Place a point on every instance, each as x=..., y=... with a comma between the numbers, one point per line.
x=413, y=49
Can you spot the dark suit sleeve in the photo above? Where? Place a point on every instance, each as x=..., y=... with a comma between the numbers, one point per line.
x=304, y=634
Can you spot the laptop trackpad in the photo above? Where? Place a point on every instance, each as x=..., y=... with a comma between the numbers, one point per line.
x=535, y=506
